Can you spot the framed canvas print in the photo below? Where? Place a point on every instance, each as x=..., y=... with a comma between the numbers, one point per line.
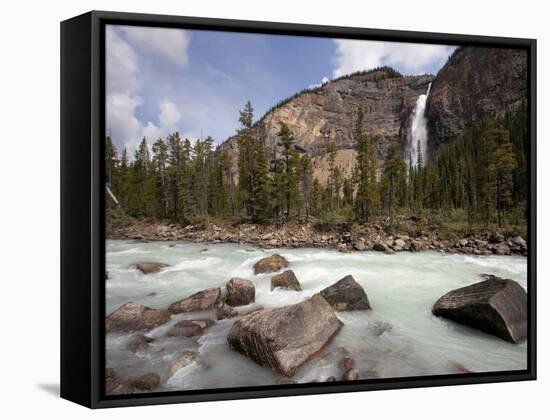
x=255, y=209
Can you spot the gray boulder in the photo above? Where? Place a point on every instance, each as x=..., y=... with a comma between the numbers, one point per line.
x=189, y=327
x=135, y=317
x=285, y=338
x=225, y=311
x=270, y=264
x=346, y=295
x=496, y=306
x=240, y=292
x=200, y=301
x=150, y=268
x=286, y=280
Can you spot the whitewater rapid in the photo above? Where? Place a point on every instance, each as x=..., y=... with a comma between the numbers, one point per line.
x=401, y=288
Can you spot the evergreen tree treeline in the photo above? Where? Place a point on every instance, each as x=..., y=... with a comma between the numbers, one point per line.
x=483, y=174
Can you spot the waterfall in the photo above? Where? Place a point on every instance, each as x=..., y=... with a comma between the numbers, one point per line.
x=418, y=135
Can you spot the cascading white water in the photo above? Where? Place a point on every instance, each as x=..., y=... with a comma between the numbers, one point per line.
x=401, y=288
x=418, y=135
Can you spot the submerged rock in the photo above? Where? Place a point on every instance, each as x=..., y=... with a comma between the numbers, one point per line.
x=146, y=382
x=286, y=280
x=285, y=338
x=117, y=385
x=496, y=306
x=225, y=311
x=200, y=301
x=240, y=292
x=270, y=264
x=350, y=375
x=347, y=363
x=135, y=317
x=150, y=268
x=184, y=359
x=189, y=327
x=346, y=295
x=140, y=343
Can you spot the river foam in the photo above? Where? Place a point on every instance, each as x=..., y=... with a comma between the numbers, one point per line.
x=399, y=337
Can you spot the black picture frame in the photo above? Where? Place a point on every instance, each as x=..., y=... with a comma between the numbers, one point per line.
x=83, y=199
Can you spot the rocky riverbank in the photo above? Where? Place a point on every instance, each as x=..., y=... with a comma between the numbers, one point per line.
x=374, y=237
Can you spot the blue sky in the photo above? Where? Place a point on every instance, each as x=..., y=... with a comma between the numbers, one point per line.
x=160, y=80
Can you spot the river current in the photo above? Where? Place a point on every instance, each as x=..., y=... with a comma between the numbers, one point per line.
x=400, y=337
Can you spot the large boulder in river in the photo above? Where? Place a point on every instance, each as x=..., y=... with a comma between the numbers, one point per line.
x=270, y=264
x=135, y=317
x=200, y=301
x=286, y=280
x=150, y=267
x=240, y=292
x=496, y=306
x=285, y=338
x=346, y=295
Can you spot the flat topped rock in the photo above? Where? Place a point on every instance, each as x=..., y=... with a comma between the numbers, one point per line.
x=270, y=264
x=283, y=339
x=150, y=267
x=200, y=301
x=135, y=317
x=189, y=327
x=346, y=295
x=286, y=280
x=496, y=306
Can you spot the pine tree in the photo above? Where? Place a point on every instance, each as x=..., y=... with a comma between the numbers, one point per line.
x=393, y=179
x=160, y=160
x=246, y=159
x=367, y=198
x=289, y=157
x=305, y=175
x=502, y=170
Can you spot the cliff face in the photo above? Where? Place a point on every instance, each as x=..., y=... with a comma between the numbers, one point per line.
x=475, y=82
x=330, y=113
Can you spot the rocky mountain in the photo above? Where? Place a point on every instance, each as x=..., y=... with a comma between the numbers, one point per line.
x=330, y=113
x=476, y=82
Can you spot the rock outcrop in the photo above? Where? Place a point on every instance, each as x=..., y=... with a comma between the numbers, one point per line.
x=286, y=280
x=140, y=343
x=189, y=327
x=135, y=317
x=240, y=292
x=150, y=268
x=476, y=82
x=285, y=338
x=330, y=113
x=225, y=311
x=200, y=301
x=184, y=359
x=346, y=295
x=270, y=264
x=496, y=306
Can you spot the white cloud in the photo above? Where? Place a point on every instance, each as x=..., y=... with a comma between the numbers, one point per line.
x=121, y=64
x=354, y=55
x=171, y=44
x=323, y=81
x=123, y=82
x=122, y=123
x=169, y=116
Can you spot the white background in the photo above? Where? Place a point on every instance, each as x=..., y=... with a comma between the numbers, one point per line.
x=29, y=174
